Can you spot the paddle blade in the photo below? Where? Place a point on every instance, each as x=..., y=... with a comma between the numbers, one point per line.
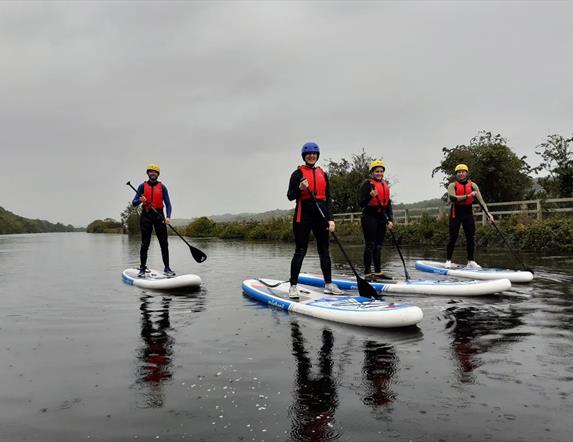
x=198, y=255
x=366, y=290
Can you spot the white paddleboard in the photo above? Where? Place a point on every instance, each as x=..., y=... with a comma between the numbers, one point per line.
x=418, y=286
x=156, y=280
x=354, y=310
x=468, y=272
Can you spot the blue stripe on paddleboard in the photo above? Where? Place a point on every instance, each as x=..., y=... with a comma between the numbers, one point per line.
x=127, y=279
x=254, y=293
x=427, y=268
x=342, y=284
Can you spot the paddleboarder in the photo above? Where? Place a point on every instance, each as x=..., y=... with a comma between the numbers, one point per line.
x=462, y=193
x=377, y=216
x=153, y=194
x=305, y=179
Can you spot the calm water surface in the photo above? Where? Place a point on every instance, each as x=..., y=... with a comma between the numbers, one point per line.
x=85, y=357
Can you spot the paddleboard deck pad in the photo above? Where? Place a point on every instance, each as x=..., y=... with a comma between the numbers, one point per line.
x=418, y=286
x=156, y=280
x=353, y=310
x=467, y=272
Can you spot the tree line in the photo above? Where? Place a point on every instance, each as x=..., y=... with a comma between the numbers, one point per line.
x=12, y=223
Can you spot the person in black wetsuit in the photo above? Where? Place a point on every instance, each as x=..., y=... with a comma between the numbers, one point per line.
x=305, y=179
x=153, y=194
x=377, y=215
x=462, y=193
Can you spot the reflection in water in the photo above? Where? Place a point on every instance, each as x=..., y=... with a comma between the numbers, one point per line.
x=477, y=330
x=380, y=366
x=312, y=413
x=156, y=354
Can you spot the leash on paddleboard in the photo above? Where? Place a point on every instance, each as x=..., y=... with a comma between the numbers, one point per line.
x=198, y=255
x=393, y=238
x=365, y=289
x=506, y=242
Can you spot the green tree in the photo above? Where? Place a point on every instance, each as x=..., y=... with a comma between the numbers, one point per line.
x=130, y=219
x=345, y=177
x=108, y=225
x=557, y=155
x=201, y=227
x=499, y=172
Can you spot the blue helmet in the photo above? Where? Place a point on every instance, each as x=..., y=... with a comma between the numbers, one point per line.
x=310, y=147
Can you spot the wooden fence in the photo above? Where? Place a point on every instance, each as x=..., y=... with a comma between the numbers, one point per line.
x=537, y=209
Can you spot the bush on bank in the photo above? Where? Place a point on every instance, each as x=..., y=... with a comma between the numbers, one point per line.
x=555, y=233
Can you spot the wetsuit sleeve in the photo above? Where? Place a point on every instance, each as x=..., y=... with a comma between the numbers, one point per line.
x=389, y=211
x=136, y=201
x=293, y=189
x=364, y=193
x=478, y=195
x=328, y=205
x=452, y=194
x=166, y=201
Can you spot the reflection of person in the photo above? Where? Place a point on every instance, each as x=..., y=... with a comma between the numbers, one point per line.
x=476, y=331
x=316, y=397
x=380, y=366
x=153, y=194
x=461, y=194
x=307, y=217
x=156, y=353
x=374, y=198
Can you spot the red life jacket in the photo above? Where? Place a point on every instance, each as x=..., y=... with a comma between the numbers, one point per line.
x=383, y=194
x=462, y=189
x=154, y=196
x=316, y=184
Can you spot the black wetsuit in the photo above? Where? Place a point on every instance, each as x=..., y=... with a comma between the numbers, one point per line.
x=310, y=220
x=463, y=217
x=373, y=227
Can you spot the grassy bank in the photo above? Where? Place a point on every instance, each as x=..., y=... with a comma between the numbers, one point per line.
x=554, y=234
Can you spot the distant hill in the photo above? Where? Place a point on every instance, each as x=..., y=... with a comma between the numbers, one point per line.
x=11, y=223
x=434, y=202
x=245, y=216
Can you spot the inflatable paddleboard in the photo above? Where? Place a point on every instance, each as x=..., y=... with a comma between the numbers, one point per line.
x=467, y=272
x=353, y=310
x=419, y=286
x=156, y=280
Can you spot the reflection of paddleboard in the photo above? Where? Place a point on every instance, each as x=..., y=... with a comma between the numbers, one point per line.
x=419, y=286
x=156, y=280
x=467, y=272
x=354, y=310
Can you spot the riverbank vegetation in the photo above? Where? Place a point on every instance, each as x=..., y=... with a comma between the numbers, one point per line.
x=12, y=223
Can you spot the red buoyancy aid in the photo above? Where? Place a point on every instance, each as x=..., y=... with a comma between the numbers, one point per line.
x=316, y=184
x=154, y=196
x=462, y=189
x=383, y=194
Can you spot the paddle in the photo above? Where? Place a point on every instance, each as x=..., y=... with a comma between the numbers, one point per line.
x=393, y=238
x=198, y=255
x=365, y=289
x=527, y=269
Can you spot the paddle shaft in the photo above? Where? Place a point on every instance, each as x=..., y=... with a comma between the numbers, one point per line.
x=393, y=237
x=364, y=288
x=197, y=254
x=503, y=237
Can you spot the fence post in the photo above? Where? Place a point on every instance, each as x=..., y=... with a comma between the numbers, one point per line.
x=406, y=216
x=351, y=217
x=539, y=213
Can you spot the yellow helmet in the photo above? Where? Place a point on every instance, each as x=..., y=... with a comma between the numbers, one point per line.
x=376, y=163
x=461, y=167
x=154, y=167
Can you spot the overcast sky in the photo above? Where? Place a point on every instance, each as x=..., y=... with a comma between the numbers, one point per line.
x=223, y=94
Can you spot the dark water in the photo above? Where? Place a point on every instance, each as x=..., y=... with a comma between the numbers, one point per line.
x=85, y=357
